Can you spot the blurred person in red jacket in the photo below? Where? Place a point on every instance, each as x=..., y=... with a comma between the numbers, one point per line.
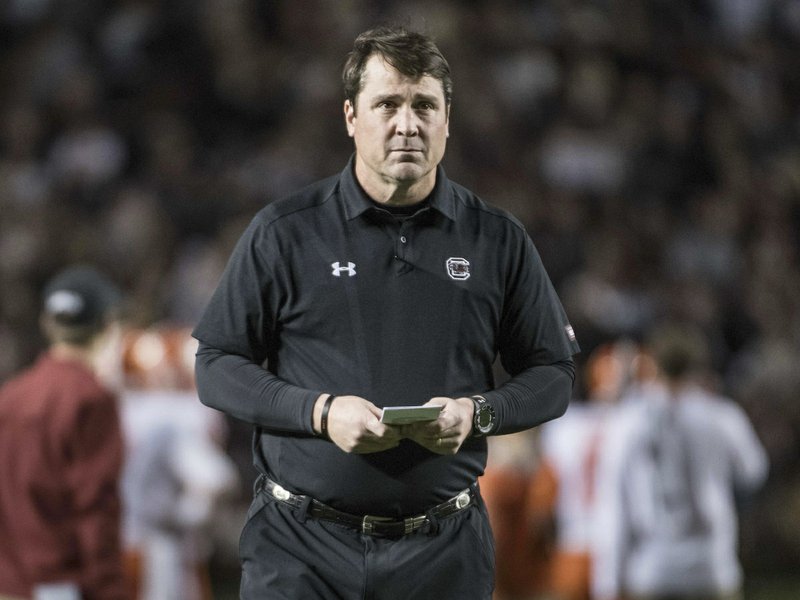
x=61, y=453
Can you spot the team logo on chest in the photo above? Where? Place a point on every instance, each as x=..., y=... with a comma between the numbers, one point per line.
x=458, y=268
x=350, y=269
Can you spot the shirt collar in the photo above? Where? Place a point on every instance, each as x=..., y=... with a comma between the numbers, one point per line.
x=356, y=201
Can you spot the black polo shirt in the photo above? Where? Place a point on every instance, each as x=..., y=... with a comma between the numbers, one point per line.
x=331, y=293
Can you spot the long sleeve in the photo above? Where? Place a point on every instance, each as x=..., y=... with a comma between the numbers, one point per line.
x=237, y=386
x=534, y=396
x=749, y=459
x=536, y=344
x=609, y=532
x=236, y=335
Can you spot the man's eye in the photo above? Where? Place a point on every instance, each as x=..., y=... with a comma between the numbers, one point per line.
x=425, y=106
x=386, y=105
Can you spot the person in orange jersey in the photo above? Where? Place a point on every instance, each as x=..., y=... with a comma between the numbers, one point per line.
x=519, y=491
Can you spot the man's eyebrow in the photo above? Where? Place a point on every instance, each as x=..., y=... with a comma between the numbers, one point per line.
x=383, y=97
x=426, y=98
x=421, y=97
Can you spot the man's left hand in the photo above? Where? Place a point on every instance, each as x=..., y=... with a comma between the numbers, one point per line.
x=446, y=434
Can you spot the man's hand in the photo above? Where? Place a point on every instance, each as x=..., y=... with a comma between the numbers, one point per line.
x=446, y=434
x=354, y=425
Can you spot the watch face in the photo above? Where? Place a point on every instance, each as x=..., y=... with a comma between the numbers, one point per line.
x=483, y=419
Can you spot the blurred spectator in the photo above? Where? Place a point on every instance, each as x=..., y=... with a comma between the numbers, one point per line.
x=571, y=447
x=519, y=492
x=177, y=478
x=539, y=487
x=61, y=453
x=676, y=462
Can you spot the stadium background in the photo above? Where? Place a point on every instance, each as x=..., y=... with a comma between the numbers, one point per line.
x=651, y=147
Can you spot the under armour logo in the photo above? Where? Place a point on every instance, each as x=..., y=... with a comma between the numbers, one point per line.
x=337, y=270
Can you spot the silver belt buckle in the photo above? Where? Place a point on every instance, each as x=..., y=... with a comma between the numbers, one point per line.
x=413, y=523
x=368, y=523
x=281, y=493
x=463, y=500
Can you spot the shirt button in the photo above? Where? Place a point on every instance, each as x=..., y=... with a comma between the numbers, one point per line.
x=403, y=239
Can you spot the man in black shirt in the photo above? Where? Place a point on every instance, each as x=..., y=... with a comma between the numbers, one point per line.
x=385, y=285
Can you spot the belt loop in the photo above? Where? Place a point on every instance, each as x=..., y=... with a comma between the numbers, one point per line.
x=302, y=510
x=431, y=524
x=258, y=485
x=476, y=493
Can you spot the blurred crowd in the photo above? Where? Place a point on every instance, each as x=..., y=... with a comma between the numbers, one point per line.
x=651, y=147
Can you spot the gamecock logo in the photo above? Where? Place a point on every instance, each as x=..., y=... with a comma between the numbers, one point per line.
x=458, y=268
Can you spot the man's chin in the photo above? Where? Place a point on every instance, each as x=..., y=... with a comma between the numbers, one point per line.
x=408, y=172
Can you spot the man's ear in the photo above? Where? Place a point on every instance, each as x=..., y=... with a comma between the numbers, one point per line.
x=350, y=117
x=447, y=120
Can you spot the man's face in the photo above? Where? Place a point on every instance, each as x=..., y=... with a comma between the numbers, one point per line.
x=399, y=126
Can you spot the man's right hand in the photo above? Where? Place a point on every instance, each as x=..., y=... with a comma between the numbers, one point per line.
x=354, y=425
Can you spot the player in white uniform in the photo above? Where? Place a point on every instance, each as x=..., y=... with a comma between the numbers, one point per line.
x=176, y=473
x=668, y=477
x=570, y=449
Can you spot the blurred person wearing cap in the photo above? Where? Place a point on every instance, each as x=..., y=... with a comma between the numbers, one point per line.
x=61, y=453
x=677, y=463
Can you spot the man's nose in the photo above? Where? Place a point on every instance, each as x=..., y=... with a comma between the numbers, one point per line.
x=407, y=122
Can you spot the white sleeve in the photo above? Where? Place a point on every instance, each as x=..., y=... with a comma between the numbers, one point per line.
x=750, y=461
x=204, y=470
x=610, y=529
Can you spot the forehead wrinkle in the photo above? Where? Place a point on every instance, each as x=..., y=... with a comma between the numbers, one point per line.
x=391, y=78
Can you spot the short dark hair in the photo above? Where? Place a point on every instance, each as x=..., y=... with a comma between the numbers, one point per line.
x=73, y=335
x=411, y=53
x=679, y=349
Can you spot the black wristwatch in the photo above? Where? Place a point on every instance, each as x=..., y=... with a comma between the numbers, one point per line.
x=483, y=419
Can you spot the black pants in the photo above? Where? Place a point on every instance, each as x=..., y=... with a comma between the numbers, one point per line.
x=286, y=555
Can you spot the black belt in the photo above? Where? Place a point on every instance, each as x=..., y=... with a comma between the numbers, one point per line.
x=368, y=524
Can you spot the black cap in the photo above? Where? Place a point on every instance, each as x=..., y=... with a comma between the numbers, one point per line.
x=80, y=296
